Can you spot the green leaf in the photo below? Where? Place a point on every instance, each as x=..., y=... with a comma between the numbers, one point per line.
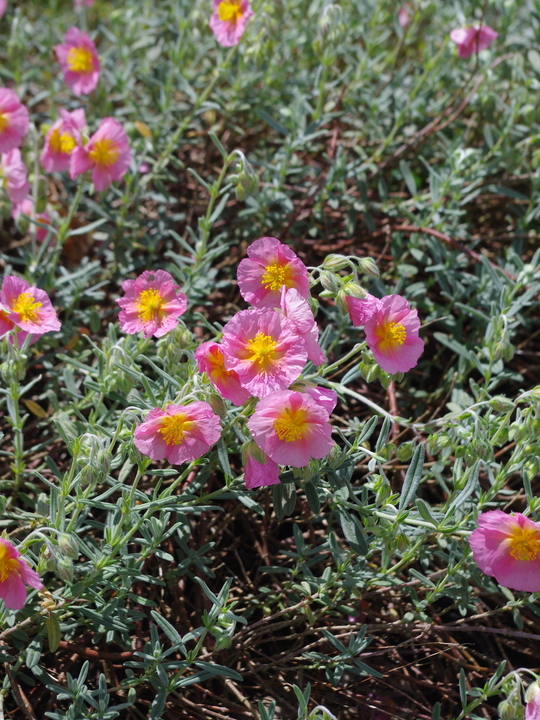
x=412, y=478
x=284, y=496
x=53, y=632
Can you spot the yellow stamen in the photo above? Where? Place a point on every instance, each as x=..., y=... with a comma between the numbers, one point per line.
x=4, y=121
x=105, y=152
x=275, y=276
x=62, y=142
x=524, y=543
x=291, y=425
x=26, y=305
x=150, y=306
x=263, y=351
x=174, y=427
x=229, y=11
x=80, y=60
x=217, y=367
x=391, y=335
x=8, y=565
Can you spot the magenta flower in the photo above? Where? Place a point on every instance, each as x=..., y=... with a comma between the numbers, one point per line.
x=507, y=547
x=297, y=310
x=361, y=309
x=532, y=698
x=79, y=4
x=6, y=325
x=13, y=176
x=403, y=16
x=229, y=19
x=180, y=433
x=15, y=573
x=27, y=307
x=78, y=61
x=26, y=207
x=107, y=154
x=392, y=335
x=325, y=397
x=291, y=428
x=62, y=139
x=210, y=359
x=152, y=304
x=3, y=7
x=270, y=265
x=264, y=349
x=259, y=474
x=471, y=40
x=14, y=122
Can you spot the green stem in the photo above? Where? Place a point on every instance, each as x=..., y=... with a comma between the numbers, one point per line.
x=18, y=437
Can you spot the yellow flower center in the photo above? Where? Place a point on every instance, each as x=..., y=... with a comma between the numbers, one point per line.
x=174, y=427
x=62, y=142
x=80, y=60
x=291, y=425
x=105, y=152
x=8, y=565
x=275, y=276
x=391, y=335
x=218, y=365
x=524, y=543
x=4, y=121
x=263, y=351
x=150, y=305
x=26, y=305
x=229, y=11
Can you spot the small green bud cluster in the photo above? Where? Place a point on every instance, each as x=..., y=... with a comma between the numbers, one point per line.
x=338, y=287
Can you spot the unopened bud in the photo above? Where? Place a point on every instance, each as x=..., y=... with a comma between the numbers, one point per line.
x=240, y=192
x=501, y=404
x=68, y=545
x=368, y=266
x=251, y=448
x=341, y=302
x=329, y=281
x=354, y=290
x=405, y=451
x=218, y=405
x=64, y=569
x=335, y=262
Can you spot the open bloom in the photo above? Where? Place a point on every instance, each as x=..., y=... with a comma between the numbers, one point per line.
x=291, y=428
x=297, y=310
x=179, y=433
x=152, y=304
x=471, y=40
x=27, y=307
x=508, y=548
x=6, y=326
x=532, y=698
x=14, y=122
x=229, y=20
x=15, y=574
x=79, y=61
x=259, y=470
x=13, y=176
x=270, y=265
x=361, y=309
x=325, y=397
x=62, y=139
x=107, y=154
x=264, y=349
x=403, y=16
x=392, y=335
x=210, y=359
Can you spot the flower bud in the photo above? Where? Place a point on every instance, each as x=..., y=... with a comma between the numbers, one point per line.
x=64, y=569
x=335, y=262
x=68, y=545
x=354, y=290
x=329, y=281
x=251, y=448
x=341, y=302
x=368, y=266
x=240, y=192
x=218, y=405
x=501, y=404
x=405, y=451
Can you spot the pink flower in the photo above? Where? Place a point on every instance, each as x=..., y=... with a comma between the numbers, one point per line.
x=297, y=310
x=180, y=433
x=13, y=175
x=257, y=473
x=325, y=397
x=403, y=16
x=270, y=265
x=3, y=7
x=78, y=61
x=291, y=428
x=360, y=310
x=79, y=4
x=532, y=698
x=264, y=349
x=508, y=548
x=27, y=307
x=229, y=20
x=15, y=573
x=6, y=325
x=14, y=122
x=472, y=39
x=144, y=168
x=26, y=207
x=107, y=154
x=210, y=359
x=392, y=335
x=62, y=139
x=152, y=304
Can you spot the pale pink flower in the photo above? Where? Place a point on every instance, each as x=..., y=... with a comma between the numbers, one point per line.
x=297, y=310
x=79, y=4
x=7, y=326
x=403, y=16
x=180, y=433
x=15, y=574
x=3, y=7
x=392, y=335
x=78, y=61
x=325, y=397
x=62, y=139
x=152, y=304
x=361, y=309
x=508, y=548
x=28, y=307
x=264, y=349
x=532, y=698
x=26, y=207
x=13, y=176
x=144, y=167
x=210, y=359
x=270, y=265
x=257, y=473
x=229, y=20
x=14, y=121
x=471, y=40
x=107, y=154
x=291, y=428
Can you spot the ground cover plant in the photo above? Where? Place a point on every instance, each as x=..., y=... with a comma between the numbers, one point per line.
x=270, y=352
